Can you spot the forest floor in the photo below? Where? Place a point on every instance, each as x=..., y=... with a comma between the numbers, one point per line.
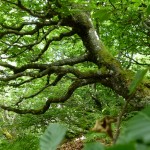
x=77, y=144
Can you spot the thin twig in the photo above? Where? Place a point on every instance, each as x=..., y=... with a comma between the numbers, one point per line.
x=119, y=120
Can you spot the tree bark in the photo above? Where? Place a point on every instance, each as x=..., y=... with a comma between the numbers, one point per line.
x=109, y=71
x=120, y=78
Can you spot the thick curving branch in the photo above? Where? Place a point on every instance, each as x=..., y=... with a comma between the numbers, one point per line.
x=9, y=31
x=61, y=36
x=58, y=78
x=78, y=83
x=22, y=7
x=80, y=23
x=63, y=62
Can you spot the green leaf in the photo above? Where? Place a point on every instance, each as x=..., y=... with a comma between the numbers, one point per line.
x=148, y=10
x=94, y=146
x=113, y=1
x=141, y=146
x=138, y=78
x=128, y=146
x=102, y=14
x=138, y=127
x=52, y=136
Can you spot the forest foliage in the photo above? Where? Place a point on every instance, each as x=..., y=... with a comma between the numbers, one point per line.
x=70, y=63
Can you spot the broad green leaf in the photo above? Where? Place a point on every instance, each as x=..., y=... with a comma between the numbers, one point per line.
x=128, y=146
x=141, y=146
x=102, y=14
x=136, y=81
x=136, y=1
x=148, y=10
x=52, y=136
x=113, y=1
x=94, y=146
x=138, y=127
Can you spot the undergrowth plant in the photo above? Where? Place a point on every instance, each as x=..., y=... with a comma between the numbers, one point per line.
x=135, y=137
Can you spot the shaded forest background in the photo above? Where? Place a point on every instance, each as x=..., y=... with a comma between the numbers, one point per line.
x=71, y=63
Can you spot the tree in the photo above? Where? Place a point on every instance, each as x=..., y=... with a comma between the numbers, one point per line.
x=34, y=60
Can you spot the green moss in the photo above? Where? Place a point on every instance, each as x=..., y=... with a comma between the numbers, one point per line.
x=106, y=59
